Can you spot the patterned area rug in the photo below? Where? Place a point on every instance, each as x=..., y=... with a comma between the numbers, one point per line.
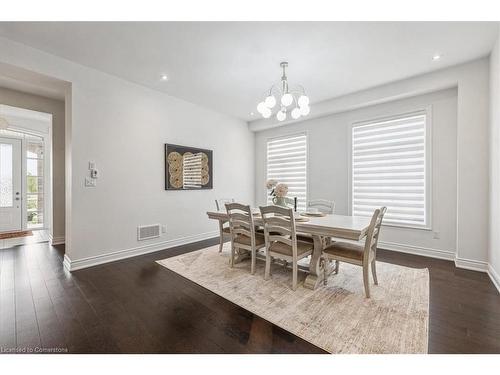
x=336, y=317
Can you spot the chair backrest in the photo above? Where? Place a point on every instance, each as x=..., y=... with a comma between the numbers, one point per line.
x=279, y=226
x=323, y=205
x=374, y=232
x=240, y=221
x=220, y=203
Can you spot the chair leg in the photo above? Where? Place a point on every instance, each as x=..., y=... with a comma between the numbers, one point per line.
x=374, y=272
x=325, y=273
x=267, y=273
x=295, y=270
x=231, y=261
x=221, y=244
x=254, y=255
x=337, y=266
x=366, y=280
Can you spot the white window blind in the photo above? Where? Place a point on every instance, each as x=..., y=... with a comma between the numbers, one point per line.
x=389, y=169
x=287, y=163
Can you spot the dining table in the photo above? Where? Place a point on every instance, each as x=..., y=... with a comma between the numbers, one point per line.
x=322, y=229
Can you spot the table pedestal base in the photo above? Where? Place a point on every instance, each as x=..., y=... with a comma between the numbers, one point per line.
x=317, y=265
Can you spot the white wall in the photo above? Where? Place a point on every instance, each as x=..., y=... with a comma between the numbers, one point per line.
x=469, y=213
x=122, y=127
x=494, y=239
x=329, y=172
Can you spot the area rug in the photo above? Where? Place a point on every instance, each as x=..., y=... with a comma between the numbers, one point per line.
x=24, y=233
x=337, y=317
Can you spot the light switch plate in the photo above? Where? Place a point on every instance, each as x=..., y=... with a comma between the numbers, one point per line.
x=90, y=182
x=91, y=164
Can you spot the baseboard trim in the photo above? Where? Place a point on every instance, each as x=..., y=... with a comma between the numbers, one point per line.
x=73, y=265
x=495, y=278
x=473, y=265
x=57, y=240
x=417, y=250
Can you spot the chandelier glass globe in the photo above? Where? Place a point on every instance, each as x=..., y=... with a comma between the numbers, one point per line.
x=284, y=99
x=266, y=113
x=303, y=101
x=270, y=101
x=295, y=113
x=304, y=111
x=287, y=99
x=261, y=107
x=281, y=115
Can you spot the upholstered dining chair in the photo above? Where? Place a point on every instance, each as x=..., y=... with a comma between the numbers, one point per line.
x=361, y=255
x=281, y=239
x=323, y=205
x=223, y=230
x=242, y=230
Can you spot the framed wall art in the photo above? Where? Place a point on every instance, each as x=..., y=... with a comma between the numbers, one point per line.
x=188, y=168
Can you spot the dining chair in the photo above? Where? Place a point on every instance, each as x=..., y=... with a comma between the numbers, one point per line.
x=281, y=240
x=323, y=205
x=361, y=255
x=242, y=230
x=223, y=230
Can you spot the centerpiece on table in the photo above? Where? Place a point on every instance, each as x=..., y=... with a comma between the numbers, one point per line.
x=278, y=191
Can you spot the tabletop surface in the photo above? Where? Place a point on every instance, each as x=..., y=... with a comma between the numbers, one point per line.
x=351, y=223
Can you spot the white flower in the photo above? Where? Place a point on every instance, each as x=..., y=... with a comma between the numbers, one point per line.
x=281, y=190
x=271, y=184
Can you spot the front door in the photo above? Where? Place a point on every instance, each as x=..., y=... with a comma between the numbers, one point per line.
x=11, y=218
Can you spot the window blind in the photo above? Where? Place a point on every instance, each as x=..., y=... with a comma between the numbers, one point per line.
x=389, y=169
x=287, y=163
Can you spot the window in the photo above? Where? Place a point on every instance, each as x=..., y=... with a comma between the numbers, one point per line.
x=287, y=163
x=34, y=183
x=389, y=168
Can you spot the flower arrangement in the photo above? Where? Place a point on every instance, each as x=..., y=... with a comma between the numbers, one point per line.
x=278, y=190
x=281, y=190
x=270, y=184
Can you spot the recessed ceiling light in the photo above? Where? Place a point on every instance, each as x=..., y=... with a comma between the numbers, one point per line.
x=164, y=77
x=252, y=113
x=436, y=57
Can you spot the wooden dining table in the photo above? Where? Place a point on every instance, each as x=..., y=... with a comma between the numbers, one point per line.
x=319, y=227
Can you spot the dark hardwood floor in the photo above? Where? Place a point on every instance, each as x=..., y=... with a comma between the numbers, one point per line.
x=137, y=306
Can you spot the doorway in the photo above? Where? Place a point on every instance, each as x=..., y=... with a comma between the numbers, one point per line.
x=25, y=182
x=11, y=210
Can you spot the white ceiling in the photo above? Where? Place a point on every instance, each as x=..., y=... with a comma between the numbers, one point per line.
x=228, y=66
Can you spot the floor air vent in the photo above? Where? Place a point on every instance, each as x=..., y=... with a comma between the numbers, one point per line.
x=145, y=232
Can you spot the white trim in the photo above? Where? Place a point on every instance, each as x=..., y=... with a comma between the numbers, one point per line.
x=73, y=265
x=57, y=240
x=470, y=264
x=417, y=250
x=495, y=278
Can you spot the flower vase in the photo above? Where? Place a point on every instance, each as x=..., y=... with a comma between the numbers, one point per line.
x=280, y=201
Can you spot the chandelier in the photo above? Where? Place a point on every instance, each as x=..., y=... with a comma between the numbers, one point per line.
x=290, y=98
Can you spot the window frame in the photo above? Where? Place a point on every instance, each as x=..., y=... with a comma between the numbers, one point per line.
x=427, y=112
x=283, y=136
x=42, y=161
